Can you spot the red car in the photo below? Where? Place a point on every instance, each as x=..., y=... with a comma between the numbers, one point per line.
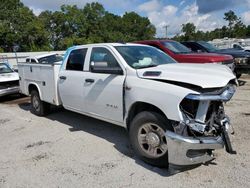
x=182, y=54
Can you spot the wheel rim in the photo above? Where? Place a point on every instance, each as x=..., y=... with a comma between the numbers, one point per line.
x=152, y=140
x=36, y=103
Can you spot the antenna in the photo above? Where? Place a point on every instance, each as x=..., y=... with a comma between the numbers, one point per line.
x=166, y=30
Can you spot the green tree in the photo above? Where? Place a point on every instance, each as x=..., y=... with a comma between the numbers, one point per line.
x=73, y=25
x=235, y=26
x=69, y=26
x=17, y=24
x=189, y=31
x=135, y=27
x=231, y=17
x=248, y=31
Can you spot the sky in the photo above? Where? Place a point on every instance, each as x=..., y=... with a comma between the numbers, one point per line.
x=205, y=14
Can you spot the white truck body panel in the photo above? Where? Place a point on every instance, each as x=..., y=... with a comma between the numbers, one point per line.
x=44, y=77
x=202, y=75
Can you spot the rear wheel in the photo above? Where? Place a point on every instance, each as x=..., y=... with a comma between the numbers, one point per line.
x=38, y=107
x=147, y=136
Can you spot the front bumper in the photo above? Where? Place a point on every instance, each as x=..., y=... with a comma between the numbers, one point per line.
x=184, y=151
x=9, y=91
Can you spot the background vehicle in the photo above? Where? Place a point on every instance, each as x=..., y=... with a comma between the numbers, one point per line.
x=45, y=58
x=241, y=58
x=9, y=80
x=173, y=112
x=239, y=46
x=182, y=54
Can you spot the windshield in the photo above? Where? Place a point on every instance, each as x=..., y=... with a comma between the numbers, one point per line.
x=238, y=47
x=208, y=46
x=143, y=56
x=50, y=59
x=4, y=68
x=176, y=47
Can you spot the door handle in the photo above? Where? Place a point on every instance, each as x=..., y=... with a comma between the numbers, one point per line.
x=63, y=77
x=89, y=80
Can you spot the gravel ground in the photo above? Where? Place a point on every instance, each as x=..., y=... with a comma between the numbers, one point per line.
x=66, y=149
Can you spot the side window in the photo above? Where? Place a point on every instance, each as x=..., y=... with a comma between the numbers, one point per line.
x=76, y=60
x=27, y=60
x=193, y=47
x=100, y=54
x=237, y=46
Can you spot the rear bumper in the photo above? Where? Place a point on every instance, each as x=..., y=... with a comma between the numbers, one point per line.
x=8, y=91
x=190, y=151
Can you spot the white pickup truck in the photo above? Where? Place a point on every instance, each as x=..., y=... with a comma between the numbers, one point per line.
x=9, y=80
x=174, y=112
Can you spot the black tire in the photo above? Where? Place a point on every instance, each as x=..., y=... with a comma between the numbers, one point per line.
x=136, y=129
x=238, y=75
x=38, y=107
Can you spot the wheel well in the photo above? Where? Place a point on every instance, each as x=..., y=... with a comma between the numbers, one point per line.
x=32, y=87
x=140, y=107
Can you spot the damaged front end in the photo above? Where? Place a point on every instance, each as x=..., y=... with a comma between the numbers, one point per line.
x=204, y=128
x=9, y=87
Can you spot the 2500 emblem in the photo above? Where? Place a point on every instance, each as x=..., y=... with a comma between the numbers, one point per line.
x=112, y=106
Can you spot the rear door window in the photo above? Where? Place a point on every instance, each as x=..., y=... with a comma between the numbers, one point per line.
x=76, y=60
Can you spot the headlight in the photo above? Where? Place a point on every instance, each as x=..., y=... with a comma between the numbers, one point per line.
x=240, y=60
x=226, y=95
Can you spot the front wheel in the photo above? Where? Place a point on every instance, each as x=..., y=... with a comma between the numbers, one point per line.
x=147, y=137
x=238, y=75
x=38, y=107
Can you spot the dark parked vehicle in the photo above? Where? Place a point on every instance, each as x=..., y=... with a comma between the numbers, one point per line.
x=241, y=57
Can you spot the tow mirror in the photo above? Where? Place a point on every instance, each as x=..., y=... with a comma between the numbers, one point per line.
x=102, y=67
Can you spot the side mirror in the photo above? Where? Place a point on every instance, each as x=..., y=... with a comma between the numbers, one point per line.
x=15, y=68
x=102, y=67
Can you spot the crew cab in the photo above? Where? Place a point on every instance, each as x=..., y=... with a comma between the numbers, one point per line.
x=9, y=80
x=173, y=112
x=182, y=54
x=241, y=57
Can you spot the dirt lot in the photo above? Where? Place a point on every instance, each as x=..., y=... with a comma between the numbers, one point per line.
x=66, y=149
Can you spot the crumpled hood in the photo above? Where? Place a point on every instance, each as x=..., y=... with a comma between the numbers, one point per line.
x=6, y=77
x=202, y=75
